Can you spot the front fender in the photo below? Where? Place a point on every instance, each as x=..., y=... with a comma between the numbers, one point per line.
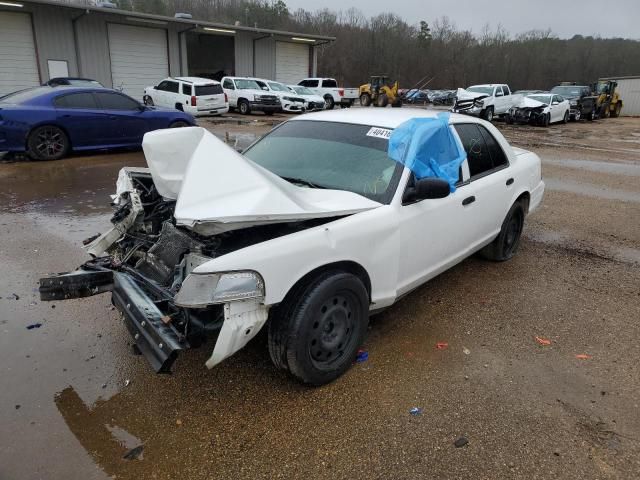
x=369, y=239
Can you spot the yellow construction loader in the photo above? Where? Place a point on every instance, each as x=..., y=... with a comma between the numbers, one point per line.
x=380, y=92
x=608, y=103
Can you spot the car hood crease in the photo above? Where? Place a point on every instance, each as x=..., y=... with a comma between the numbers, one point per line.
x=217, y=189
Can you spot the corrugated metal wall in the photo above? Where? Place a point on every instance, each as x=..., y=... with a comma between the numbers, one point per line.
x=629, y=90
x=244, y=54
x=54, y=38
x=265, y=59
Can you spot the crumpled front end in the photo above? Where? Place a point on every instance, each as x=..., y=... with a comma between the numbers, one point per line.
x=468, y=103
x=528, y=111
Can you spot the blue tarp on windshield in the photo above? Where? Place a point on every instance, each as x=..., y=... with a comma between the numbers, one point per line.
x=428, y=148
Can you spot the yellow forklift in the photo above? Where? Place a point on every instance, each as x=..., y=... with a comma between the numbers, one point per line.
x=380, y=92
x=608, y=103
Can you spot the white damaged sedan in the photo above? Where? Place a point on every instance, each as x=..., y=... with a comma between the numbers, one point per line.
x=306, y=234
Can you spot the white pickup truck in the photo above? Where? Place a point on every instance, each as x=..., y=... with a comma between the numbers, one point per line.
x=333, y=95
x=245, y=96
x=486, y=101
x=318, y=225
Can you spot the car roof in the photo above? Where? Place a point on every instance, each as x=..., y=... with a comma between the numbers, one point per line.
x=383, y=117
x=195, y=80
x=489, y=85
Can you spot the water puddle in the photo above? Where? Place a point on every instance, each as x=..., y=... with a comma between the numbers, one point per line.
x=592, y=190
x=628, y=169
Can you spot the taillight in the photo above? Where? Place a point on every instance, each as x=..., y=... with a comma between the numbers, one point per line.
x=226, y=99
x=193, y=100
x=341, y=92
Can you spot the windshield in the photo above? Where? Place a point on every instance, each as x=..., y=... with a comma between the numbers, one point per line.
x=485, y=90
x=567, y=91
x=541, y=98
x=302, y=91
x=247, y=85
x=330, y=155
x=278, y=87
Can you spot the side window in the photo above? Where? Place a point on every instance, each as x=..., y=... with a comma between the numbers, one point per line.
x=559, y=98
x=310, y=83
x=498, y=92
x=478, y=156
x=186, y=89
x=228, y=84
x=76, y=100
x=498, y=157
x=163, y=85
x=506, y=90
x=173, y=87
x=116, y=101
x=262, y=85
x=329, y=83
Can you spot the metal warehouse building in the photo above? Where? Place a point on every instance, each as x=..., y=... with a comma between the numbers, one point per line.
x=42, y=39
x=629, y=90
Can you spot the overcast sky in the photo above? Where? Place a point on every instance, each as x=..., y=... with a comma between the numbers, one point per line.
x=607, y=18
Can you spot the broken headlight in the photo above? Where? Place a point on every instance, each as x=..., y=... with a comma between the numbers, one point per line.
x=202, y=290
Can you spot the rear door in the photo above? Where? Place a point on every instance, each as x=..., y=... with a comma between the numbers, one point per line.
x=209, y=96
x=82, y=118
x=489, y=183
x=230, y=89
x=125, y=115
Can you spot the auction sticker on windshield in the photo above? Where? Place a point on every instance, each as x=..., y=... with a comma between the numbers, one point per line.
x=379, y=132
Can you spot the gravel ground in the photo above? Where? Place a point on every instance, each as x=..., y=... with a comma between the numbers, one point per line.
x=73, y=400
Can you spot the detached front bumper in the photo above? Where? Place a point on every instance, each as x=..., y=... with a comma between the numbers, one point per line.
x=467, y=110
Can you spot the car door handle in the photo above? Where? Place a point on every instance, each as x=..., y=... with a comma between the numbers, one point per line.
x=509, y=182
x=468, y=200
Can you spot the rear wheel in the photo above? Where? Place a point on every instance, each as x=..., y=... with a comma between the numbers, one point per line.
x=179, y=124
x=329, y=103
x=506, y=243
x=316, y=333
x=243, y=107
x=148, y=101
x=397, y=103
x=47, y=143
x=383, y=100
x=365, y=100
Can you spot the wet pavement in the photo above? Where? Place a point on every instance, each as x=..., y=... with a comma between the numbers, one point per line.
x=74, y=401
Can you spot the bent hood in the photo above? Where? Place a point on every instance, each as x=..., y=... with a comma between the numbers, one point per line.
x=462, y=94
x=527, y=102
x=217, y=189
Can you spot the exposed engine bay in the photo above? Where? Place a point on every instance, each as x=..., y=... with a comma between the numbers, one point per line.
x=144, y=258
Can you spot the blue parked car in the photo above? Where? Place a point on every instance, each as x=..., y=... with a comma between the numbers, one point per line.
x=48, y=122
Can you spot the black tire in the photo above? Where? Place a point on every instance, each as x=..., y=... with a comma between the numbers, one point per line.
x=577, y=116
x=565, y=119
x=383, y=100
x=243, y=107
x=487, y=114
x=546, y=121
x=329, y=103
x=148, y=101
x=506, y=243
x=179, y=124
x=47, y=142
x=316, y=332
x=397, y=103
x=590, y=116
x=365, y=100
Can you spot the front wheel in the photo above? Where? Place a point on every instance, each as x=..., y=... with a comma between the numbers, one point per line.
x=565, y=119
x=243, y=107
x=506, y=243
x=179, y=124
x=47, y=143
x=365, y=100
x=487, y=114
x=316, y=333
x=577, y=116
x=148, y=101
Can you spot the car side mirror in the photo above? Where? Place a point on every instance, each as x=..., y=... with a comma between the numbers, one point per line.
x=555, y=103
x=265, y=89
x=426, y=189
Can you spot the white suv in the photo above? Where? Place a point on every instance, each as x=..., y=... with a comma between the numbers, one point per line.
x=290, y=101
x=197, y=96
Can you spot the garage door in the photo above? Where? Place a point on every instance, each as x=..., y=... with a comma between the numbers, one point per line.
x=138, y=58
x=18, y=66
x=292, y=62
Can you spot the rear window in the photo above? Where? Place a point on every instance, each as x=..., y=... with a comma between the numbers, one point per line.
x=213, y=89
x=24, y=95
x=329, y=83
